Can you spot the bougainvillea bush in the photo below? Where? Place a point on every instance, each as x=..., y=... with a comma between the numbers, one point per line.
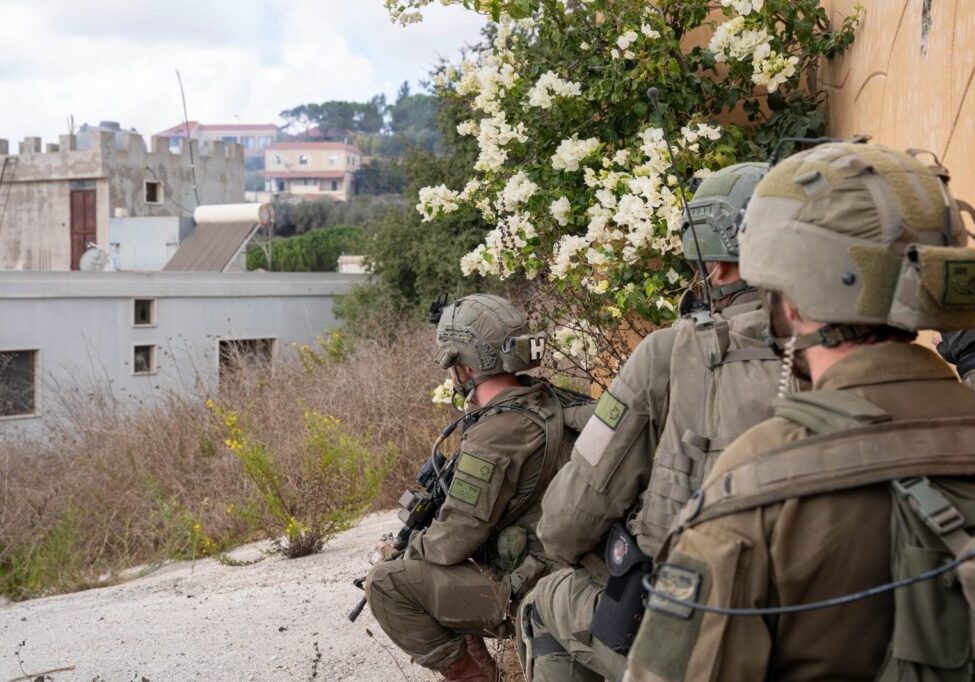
x=574, y=171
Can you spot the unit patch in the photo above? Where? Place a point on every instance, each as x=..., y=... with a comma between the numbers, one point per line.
x=464, y=491
x=610, y=410
x=960, y=282
x=679, y=583
x=475, y=466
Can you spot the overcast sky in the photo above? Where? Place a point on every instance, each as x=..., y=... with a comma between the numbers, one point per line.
x=241, y=60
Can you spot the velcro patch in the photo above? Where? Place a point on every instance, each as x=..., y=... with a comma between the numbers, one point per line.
x=611, y=410
x=594, y=440
x=464, y=491
x=475, y=466
x=960, y=282
x=679, y=583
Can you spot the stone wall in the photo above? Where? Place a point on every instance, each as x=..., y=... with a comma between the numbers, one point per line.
x=907, y=80
x=36, y=222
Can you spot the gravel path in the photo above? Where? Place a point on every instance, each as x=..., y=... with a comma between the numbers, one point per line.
x=278, y=619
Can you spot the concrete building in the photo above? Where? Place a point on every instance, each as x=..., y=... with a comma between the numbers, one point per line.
x=58, y=198
x=252, y=137
x=312, y=170
x=136, y=338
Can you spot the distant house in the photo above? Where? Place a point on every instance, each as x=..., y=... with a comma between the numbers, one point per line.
x=253, y=137
x=57, y=199
x=312, y=170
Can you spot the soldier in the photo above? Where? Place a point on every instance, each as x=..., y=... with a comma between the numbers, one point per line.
x=855, y=246
x=683, y=396
x=958, y=348
x=455, y=581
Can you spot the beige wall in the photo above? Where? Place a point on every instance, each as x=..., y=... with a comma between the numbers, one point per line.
x=318, y=160
x=907, y=86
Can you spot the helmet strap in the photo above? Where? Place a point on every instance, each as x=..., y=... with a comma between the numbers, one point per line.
x=827, y=336
x=718, y=293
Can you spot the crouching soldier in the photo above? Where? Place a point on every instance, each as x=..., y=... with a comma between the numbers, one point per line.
x=827, y=543
x=680, y=399
x=958, y=348
x=456, y=580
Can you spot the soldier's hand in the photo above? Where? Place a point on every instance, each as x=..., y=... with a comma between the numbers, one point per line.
x=958, y=348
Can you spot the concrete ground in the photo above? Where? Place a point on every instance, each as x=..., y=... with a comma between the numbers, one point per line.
x=278, y=619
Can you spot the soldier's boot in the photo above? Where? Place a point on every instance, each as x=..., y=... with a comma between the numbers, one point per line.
x=479, y=652
x=466, y=670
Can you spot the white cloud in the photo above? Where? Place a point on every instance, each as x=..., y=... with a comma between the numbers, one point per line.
x=240, y=60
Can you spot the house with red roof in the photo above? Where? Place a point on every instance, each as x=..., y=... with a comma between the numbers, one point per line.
x=253, y=137
x=312, y=170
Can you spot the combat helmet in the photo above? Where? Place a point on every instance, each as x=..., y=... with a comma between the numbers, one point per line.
x=488, y=334
x=715, y=212
x=858, y=236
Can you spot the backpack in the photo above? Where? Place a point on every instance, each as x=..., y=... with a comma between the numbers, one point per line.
x=929, y=467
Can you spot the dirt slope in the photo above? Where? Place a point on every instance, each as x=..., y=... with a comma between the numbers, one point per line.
x=275, y=620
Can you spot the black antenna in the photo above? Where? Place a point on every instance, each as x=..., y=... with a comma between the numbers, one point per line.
x=652, y=94
x=189, y=141
x=436, y=308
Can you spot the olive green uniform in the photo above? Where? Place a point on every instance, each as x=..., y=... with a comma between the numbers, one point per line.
x=647, y=444
x=429, y=599
x=797, y=551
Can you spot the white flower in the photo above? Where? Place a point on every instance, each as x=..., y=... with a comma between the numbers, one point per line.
x=435, y=201
x=627, y=39
x=516, y=191
x=584, y=46
x=494, y=134
x=664, y=304
x=468, y=128
x=744, y=7
x=621, y=157
x=548, y=86
x=567, y=250
x=560, y=210
x=577, y=343
x=444, y=393
x=649, y=32
x=573, y=150
x=615, y=53
x=732, y=41
x=672, y=276
x=774, y=71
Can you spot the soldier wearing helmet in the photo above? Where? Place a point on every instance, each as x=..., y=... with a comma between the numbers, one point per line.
x=454, y=583
x=863, y=481
x=684, y=394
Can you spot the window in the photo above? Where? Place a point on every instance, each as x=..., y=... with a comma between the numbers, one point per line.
x=154, y=192
x=335, y=185
x=174, y=144
x=333, y=159
x=144, y=360
x=229, y=139
x=276, y=160
x=280, y=184
x=244, y=355
x=18, y=383
x=145, y=312
x=303, y=160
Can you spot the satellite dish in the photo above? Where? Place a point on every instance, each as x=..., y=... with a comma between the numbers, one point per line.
x=93, y=260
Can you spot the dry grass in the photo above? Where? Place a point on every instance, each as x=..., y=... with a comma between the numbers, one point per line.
x=109, y=489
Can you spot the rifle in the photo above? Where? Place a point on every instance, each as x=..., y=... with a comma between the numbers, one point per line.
x=418, y=508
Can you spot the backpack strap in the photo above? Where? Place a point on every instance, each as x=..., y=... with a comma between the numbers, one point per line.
x=936, y=511
x=828, y=411
x=551, y=420
x=841, y=460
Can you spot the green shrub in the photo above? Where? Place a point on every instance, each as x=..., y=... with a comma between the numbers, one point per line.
x=337, y=481
x=315, y=251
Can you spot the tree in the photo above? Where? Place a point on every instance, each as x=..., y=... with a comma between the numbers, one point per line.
x=573, y=170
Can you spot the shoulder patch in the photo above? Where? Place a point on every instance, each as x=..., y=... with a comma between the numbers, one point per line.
x=960, y=277
x=475, y=466
x=464, y=491
x=610, y=410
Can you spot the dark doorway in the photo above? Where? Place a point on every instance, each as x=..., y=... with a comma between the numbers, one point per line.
x=83, y=223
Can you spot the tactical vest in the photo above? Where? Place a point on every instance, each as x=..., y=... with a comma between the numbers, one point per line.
x=723, y=379
x=561, y=417
x=929, y=466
